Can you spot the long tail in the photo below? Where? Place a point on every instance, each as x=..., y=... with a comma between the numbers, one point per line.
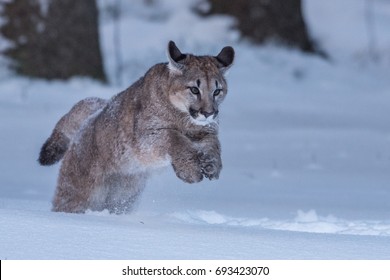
x=67, y=127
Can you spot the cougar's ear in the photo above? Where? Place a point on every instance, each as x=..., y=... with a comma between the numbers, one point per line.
x=175, y=57
x=225, y=58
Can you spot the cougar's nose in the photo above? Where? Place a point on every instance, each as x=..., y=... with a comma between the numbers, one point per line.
x=208, y=114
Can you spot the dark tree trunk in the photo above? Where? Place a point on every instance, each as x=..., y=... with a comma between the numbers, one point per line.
x=59, y=43
x=264, y=20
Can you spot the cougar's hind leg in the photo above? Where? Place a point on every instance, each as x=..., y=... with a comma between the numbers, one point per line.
x=124, y=191
x=77, y=185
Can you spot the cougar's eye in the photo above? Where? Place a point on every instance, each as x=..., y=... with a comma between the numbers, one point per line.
x=217, y=92
x=194, y=90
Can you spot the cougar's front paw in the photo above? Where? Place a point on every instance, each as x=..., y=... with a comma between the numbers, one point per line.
x=189, y=172
x=210, y=165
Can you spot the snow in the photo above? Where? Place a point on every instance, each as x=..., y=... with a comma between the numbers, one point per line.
x=305, y=146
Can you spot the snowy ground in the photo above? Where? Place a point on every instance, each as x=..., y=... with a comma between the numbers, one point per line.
x=306, y=149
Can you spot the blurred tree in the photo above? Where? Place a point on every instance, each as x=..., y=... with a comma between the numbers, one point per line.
x=58, y=40
x=263, y=20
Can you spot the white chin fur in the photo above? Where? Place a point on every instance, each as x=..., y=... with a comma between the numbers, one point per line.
x=202, y=120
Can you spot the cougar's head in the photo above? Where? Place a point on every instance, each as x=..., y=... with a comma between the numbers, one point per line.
x=197, y=83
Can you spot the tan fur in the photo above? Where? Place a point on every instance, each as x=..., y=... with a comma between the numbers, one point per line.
x=112, y=146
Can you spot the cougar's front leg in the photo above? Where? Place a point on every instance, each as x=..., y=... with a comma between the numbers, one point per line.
x=185, y=158
x=210, y=156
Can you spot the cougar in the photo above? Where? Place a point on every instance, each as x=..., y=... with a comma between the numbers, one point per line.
x=168, y=117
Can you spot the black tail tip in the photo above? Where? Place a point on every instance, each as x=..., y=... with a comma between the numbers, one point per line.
x=52, y=152
x=46, y=160
x=48, y=157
